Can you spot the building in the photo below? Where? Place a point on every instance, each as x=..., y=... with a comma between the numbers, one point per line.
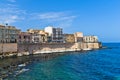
x=24, y=37
x=90, y=39
x=8, y=34
x=78, y=37
x=56, y=34
x=44, y=36
x=69, y=38
x=38, y=36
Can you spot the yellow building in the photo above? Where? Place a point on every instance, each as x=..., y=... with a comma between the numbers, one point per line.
x=8, y=34
x=78, y=37
x=69, y=38
x=44, y=36
x=38, y=36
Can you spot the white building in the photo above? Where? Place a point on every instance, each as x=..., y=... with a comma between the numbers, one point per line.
x=90, y=39
x=56, y=34
x=49, y=29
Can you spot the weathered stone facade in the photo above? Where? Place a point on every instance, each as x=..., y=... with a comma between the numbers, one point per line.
x=32, y=48
x=69, y=38
x=24, y=37
x=8, y=49
x=78, y=37
x=55, y=47
x=8, y=34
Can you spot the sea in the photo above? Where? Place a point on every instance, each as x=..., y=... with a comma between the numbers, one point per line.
x=101, y=64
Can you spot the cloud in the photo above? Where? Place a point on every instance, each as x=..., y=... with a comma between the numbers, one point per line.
x=10, y=19
x=62, y=19
x=54, y=16
x=10, y=13
x=50, y=15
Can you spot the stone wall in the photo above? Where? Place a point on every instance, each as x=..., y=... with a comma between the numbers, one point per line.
x=31, y=48
x=8, y=48
x=87, y=45
x=54, y=47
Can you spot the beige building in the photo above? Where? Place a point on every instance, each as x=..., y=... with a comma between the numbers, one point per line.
x=90, y=39
x=8, y=34
x=38, y=36
x=24, y=37
x=44, y=36
x=78, y=37
x=69, y=38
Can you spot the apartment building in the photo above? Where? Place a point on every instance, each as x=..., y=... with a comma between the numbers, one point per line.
x=8, y=34
x=24, y=37
x=38, y=36
x=56, y=34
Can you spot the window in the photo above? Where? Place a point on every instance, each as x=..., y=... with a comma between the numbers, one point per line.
x=19, y=37
x=24, y=37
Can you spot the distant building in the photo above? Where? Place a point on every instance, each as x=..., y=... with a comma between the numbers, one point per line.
x=78, y=37
x=90, y=39
x=49, y=29
x=38, y=36
x=44, y=36
x=69, y=38
x=55, y=34
x=24, y=37
x=8, y=34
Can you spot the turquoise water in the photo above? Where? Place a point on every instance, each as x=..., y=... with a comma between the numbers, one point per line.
x=101, y=64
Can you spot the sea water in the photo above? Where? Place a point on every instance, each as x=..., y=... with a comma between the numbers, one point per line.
x=103, y=64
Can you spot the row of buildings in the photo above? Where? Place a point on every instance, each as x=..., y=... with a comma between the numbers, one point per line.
x=10, y=34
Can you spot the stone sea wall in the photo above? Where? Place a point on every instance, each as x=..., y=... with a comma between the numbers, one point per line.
x=11, y=49
x=8, y=49
x=26, y=49
x=44, y=48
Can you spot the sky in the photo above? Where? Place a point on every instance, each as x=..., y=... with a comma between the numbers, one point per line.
x=92, y=17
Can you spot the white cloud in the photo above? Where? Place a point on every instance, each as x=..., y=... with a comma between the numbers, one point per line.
x=61, y=19
x=10, y=13
x=54, y=16
x=10, y=18
x=50, y=15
